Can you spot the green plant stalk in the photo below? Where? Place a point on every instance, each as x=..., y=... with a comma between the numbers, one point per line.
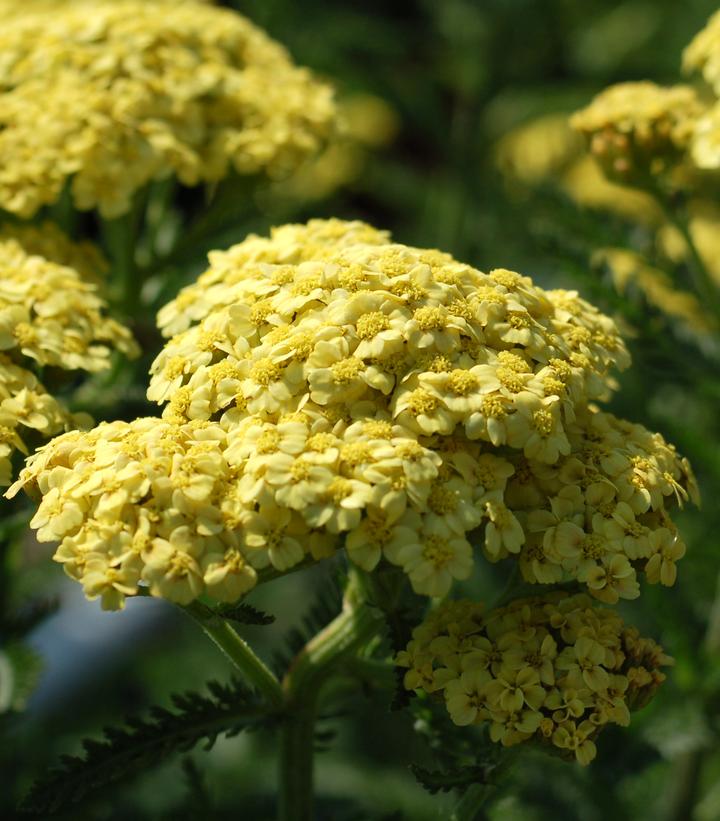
x=238, y=651
x=703, y=283
x=469, y=807
x=312, y=668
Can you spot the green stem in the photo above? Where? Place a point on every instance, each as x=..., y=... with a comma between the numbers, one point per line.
x=238, y=651
x=311, y=668
x=703, y=283
x=297, y=736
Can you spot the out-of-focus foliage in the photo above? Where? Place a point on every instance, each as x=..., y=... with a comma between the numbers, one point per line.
x=468, y=152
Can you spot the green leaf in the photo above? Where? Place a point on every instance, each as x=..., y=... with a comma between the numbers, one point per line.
x=144, y=742
x=20, y=668
x=435, y=781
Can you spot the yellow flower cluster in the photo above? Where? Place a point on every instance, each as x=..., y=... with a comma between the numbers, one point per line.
x=364, y=122
x=50, y=314
x=405, y=399
x=140, y=501
x=538, y=149
x=25, y=404
x=403, y=405
x=602, y=513
x=552, y=669
x=113, y=94
x=636, y=129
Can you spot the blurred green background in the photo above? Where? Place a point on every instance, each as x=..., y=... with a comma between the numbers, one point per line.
x=456, y=76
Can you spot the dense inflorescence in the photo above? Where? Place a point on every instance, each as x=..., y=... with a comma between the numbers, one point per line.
x=553, y=669
x=113, y=94
x=409, y=408
x=50, y=315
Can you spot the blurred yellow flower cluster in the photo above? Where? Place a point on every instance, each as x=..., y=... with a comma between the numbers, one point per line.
x=365, y=123
x=638, y=129
x=553, y=669
x=113, y=94
x=703, y=56
x=630, y=269
x=50, y=315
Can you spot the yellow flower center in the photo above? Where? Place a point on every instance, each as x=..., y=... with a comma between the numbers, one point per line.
x=543, y=422
x=442, y=500
x=436, y=550
x=421, y=402
x=493, y=407
x=346, y=370
x=430, y=319
x=370, y=325
x=462, y=382
x=265, y=371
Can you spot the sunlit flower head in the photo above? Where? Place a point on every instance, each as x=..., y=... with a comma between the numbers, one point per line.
x=367, y=386
x=413, y=410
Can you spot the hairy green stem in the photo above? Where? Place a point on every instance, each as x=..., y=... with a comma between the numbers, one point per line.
x=238, y=651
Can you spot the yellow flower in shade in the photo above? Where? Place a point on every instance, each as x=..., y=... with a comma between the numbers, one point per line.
x=553, y=669
x=110, y=95
x=51, y=314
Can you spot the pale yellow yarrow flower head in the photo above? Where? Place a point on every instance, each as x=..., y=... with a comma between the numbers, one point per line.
x=551, y=669
x=111, y=95
x=406, y=407
x=50, y=312
x=639, y=129
x=405, y=401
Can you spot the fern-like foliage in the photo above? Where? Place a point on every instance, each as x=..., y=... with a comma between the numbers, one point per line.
x=326, y=605
x=144, y=742
x=243, y=613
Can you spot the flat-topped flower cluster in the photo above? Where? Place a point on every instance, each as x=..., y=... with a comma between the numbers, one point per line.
x=111, y=94
x=51, y=314
x=386, y=399
x=554, y=669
